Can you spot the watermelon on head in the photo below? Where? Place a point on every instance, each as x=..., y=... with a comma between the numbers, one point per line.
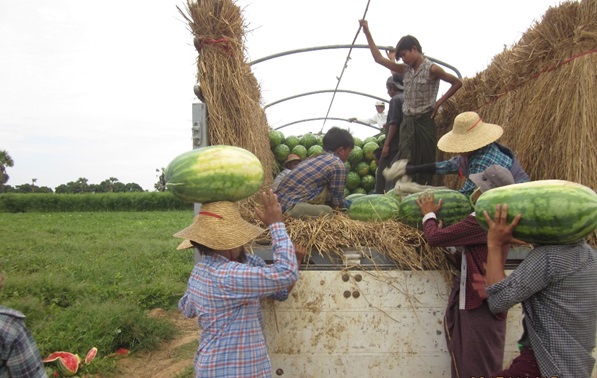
x=308, y=140
x=214, y=173
x=374, y=207
x=369, y=150
x=300, y=150
x=455, y=207
x=553, y=211
x=275, y=137
x=281, y=152
x=356, y=155
x=292, y=141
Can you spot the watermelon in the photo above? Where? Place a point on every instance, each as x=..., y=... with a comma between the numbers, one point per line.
x=348, y=200
x=90, y=355
x=381, y=139
x=281, y=152
x=292, y=141
x=315, y=149
x=214, y=173
x=358, y=142
x=370, y=139
x=369, y=150
x=308, y=140
x=347, y=165
x=362, y=168
x=300, y=150
x=373, y=167
x=553, y=211
x=356, y=155
x=275, y=138
x=320, y=140
x=368, y=182
x=67, y=363
x=359, y=190
x=346, y=192
x=455, y=207
x=353, y=180
x=392, y=193
x=374, y=207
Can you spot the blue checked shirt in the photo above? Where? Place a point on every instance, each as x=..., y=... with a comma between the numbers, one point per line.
x=476, y=163
x=225, y=297
x=556, y=286
x=19, y=355
x=310, y=178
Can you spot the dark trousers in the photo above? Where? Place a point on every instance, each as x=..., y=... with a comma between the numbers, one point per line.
x=381, y=185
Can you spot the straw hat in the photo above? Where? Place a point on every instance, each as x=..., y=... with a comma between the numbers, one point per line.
x=469, y=133
x=186, y=244
x=291, y=158
x=219, y=226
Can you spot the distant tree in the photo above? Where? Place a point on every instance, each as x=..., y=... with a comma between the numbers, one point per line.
x=33, y=181
x=73, y=187
x=7, y=189
x=25, y=188
x=160, y=186
x=5, y=161
x=133, y=187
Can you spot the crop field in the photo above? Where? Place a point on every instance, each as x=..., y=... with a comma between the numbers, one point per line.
x=86, y=279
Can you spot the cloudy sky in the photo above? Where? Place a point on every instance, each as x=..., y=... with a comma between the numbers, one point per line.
x=104, y=89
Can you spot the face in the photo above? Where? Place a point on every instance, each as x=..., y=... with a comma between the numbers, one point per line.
x=391, y=90
x=407, y=56
x=343, y=152
x=380, y=109
x=292, y=164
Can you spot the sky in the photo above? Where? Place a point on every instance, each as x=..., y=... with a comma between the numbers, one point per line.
x=105, y=89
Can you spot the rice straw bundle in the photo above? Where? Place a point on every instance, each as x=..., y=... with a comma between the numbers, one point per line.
x=229, y=89
x=543, y=91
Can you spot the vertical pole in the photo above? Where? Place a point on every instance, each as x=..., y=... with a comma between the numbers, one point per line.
x=199, y=131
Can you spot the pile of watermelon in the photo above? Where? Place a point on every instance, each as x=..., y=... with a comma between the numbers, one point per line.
x=361, y=162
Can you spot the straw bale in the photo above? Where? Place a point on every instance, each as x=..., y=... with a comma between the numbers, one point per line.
x=543, y=91
x=229, y=88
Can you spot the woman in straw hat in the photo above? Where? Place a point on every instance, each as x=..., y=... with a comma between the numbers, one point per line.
x=474, y=336
x=476, y=143
x=292, y=161
x=226, y=286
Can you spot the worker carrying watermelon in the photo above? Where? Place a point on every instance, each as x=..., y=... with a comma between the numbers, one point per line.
x=227, y=284
x=316, y=187
x=476, y=144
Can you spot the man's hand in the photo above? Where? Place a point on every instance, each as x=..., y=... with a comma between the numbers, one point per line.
x=272, y=211
x=300, y=252
x=500, y=232
x=427, y=203
x=364, y=24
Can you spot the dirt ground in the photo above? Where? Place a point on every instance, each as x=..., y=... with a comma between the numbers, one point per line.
x=173, y=359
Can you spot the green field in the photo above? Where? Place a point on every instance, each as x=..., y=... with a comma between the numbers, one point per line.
x=89, y=279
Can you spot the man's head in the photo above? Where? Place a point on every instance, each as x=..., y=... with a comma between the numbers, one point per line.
x=292, y=161
x=408, y=48
x=380, y=106
x=394, y=84
x=492, y=177
x=338, y=141
x=468, y=134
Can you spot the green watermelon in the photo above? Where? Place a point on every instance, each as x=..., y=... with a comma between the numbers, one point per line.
x=320, y=140
x=359, y=190
x=300, y=150
x=373, y=167
x=356, y=155
x=214, y=173
x=281, y=152
x=369, y=150
x=553, y=211
x=374, y=207
x=455, y=207
x=67, y=363
x=348, y=199
x=358, y=142
x=346, y=192
x=381, y=139
x=347, y=165
x=315, y=149
x=392, y=193
x=362, y=168
x=368, y=182
x=292, y=141
x=370, y=139
x=275, y=138
x=353, y=180
x=308, y=140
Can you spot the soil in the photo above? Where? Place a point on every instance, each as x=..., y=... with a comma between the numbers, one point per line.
x=172, y=359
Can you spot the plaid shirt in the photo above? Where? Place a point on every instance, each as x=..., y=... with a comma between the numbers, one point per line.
x=420, y=90
x=19, y=356
x=470, y=235
x=225, y=296
x=310, y=178
x=556, y=285
x=476, y=163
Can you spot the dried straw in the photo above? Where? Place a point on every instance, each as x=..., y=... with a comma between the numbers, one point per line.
x=229, y=88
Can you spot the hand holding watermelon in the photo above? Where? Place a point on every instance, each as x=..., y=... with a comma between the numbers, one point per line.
x=500, y=232
x=272, y=211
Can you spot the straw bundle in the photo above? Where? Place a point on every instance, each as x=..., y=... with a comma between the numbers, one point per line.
x=229, y=88
x=543, y=91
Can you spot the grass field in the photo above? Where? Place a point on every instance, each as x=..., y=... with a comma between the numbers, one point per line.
x=90, y=278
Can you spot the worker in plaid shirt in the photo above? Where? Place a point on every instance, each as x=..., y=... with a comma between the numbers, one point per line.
x=226, y=286
x=19, y=355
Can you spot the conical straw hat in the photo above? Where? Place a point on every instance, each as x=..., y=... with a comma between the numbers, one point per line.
x=469, y=133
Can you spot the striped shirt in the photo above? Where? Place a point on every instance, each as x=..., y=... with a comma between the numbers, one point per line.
x=556, y=286
x=310, y=178
x=420, y=90
x=225, y=297
x=19, y=355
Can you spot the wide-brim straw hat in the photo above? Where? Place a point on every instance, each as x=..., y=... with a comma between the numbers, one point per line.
x=291, y=158
x=469, y=133
x=220, y=227
x=186, y=244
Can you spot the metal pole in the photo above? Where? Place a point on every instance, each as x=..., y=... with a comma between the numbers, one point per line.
x=199, y=131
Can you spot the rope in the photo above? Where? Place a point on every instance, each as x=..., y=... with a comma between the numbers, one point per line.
x=344, y=68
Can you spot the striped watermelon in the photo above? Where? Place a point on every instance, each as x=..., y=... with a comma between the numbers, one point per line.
x=214, y=173
x=553, y=211
x=455, y=207
x=374, y=207
x=351, y=197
